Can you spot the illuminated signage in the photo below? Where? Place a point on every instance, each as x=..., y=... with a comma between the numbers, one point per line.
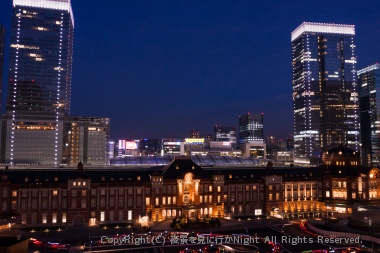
x=194, y=140
x=172, y=143
x=130, y=145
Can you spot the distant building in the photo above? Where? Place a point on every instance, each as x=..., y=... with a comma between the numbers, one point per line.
x=254, y=150
x=251, y=128
x=282, y=156
x=127, y=148
x=193, y=144
x=2, y=48
x=150, y=147
x=369, y=98
x=111, y=149
x=325, y=95
x=194, y=133
x=225, y=133
x=289, y=144
x=172, y=146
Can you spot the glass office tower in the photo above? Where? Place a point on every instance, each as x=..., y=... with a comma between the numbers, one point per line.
x=325, y=96
x=2, y=46
x=40, y=58
x=251, y=128
x=369, y=98
x=39, y=81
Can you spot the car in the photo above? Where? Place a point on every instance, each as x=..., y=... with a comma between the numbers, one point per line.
x=187, y=250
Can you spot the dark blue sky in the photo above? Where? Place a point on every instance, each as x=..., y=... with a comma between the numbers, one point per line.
x=161, y=68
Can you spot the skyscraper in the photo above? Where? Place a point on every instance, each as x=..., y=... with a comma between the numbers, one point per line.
x=225, y=133
x=40, y=58
x=325, y=96
x=2, y=46
x=369, y=98
x=39, y=81
x=251, y=128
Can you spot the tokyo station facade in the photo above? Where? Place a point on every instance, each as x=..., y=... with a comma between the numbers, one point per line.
x=119, y=195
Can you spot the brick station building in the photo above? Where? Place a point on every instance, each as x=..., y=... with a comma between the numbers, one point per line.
x=120, y=195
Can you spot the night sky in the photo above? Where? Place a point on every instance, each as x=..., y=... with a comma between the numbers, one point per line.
x=160, y=68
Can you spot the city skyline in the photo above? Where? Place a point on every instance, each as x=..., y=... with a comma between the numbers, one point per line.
x=178, y=66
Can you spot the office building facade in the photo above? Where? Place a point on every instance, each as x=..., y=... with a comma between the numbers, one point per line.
x=85, y=140
x=251, y=128
x=325, y=95
x=369, y=83
x=40, y=58
x=225, y=133
x=40, y=65
x=2, y=48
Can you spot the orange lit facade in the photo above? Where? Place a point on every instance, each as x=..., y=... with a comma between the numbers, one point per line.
x=56, y=197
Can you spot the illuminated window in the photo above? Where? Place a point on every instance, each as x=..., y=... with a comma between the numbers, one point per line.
x=147, y=201
x=14, y=193
x=44, y=218
x=327, y=194
x=54, y=218
x=55, y=193
x=219, y=188
x=83, y=204
x=210, y=188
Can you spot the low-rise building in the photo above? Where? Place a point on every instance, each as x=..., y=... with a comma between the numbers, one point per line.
x=94, y=196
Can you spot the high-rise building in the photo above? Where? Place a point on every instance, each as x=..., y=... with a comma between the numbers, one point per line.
x=40, y=58
x=225, y=133
x=251, y=128
x=325, y=96
x=85, y=140
x=2, y=47
x=41, y=46
x=369, y=98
